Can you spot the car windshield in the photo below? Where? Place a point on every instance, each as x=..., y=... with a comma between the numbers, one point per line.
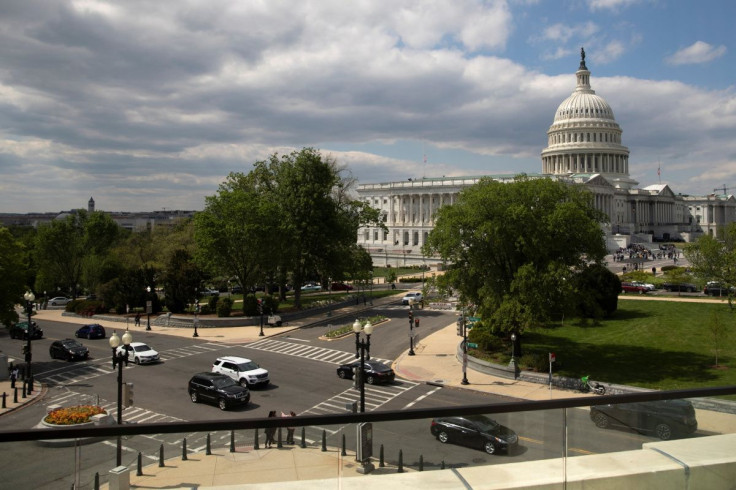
x=247, y=366
x=484, y=423
x=224, y=382
x=141, y=348
x=70, y=343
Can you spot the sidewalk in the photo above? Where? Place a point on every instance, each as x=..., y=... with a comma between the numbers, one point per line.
x=435, y=362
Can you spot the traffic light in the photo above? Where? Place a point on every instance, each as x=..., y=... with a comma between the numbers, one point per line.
x=416, y=323
x=411, y=315
x=260, y=306
x=128, y=395
x=24, y=349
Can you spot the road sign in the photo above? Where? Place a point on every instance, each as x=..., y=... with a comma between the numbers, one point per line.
x=552, y=357
x=472, y=345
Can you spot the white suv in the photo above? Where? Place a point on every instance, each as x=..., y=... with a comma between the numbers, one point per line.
x=414, y=296
x=242, y=370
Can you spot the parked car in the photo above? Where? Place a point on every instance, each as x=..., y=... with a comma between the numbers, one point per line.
x=210, y=292
x=218, y=389
x=241, y=370
x=140, y=353
x=664, y=419
x=59, y=301
x=713, y=288
x=476, y=431
x=648, y=286
x=685, y=287
x=415, y=295
x=631, y=287
x=341, y=286
x=374, y=372
x=68, y=349
x=20, y=331
x=91, y=331
x=311, y=287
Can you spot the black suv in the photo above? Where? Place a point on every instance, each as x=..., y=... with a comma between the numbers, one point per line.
x=219, y=389
x=664, y=419
x=20, y=331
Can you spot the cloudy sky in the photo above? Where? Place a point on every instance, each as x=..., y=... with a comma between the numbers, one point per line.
x=149, y=104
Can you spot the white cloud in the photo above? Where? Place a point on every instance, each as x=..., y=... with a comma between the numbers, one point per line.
x=698, y=52
x=610, y=4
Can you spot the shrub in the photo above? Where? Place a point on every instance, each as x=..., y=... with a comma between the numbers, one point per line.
x=212, y=302
x=250, y=305
x=270, y=304
x=535, y=361
x=225, y=307
x=84, y=307
x=79, y=414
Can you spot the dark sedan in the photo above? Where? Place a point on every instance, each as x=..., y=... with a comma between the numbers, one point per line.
x=68, y=349
x=20, y=331
x=374, y=371
x=475, y=431
x=91, y=331
x=664, y=419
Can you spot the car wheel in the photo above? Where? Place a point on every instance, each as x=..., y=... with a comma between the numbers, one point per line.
x=443, y=437
x=137, y=360
x=222, y=404
x=370, y=380
x=341, y=374
x=641, y=291
x=489, y=447
x=663, y=431
x=601, y=420
x=243, y=383
x=12, y=335
x=193, y=396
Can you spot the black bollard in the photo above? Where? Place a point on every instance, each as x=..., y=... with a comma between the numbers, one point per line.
x=344, y=452
x=97, y=481
x=324, y=440
x=184, y=450
x=304, y=441
x=139, y=471
x=255, y=443
x=401, y=461
x=208, y=451
x=421, y=463
x=442, y=466
x=161, y=456
x=4, y=403
x=15, y=395
x=279, y=444
x=232, y=441
x=24, y=389
x=381, y=464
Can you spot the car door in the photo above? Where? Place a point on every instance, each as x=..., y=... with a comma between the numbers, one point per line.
x=207, y=390
x=231, y=370
x=470, y=433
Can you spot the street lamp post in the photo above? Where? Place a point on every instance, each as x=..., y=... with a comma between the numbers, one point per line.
x=512, y=364
x=411, y=327
x=260, y=310
x=362, y=350
x=29, y=297
x=148, y=309
x=196, y=320
x=464, y=324
x=120, y=357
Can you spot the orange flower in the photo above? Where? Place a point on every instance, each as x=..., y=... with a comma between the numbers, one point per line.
x=73, y=415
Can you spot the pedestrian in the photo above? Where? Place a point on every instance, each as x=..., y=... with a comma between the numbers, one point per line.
x=137, y=319
x=289, y=430
x=270, y=431
x=13, y=376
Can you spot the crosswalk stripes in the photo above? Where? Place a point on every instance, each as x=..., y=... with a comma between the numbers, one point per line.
x=311, y=352
x=192, y=350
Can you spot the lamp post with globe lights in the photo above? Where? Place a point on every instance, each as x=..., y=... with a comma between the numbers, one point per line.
x=29, y=297
x=362, y=350
x=411, y=327
x=148, y=307
x=120, y=357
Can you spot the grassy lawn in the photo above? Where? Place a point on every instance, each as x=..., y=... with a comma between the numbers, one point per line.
x=652, y=344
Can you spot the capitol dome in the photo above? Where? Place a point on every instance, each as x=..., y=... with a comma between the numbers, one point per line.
x=585, y=139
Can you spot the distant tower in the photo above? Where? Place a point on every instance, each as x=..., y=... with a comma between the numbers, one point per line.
x=91, y=205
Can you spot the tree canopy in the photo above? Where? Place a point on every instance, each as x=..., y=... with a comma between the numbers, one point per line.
x=713, y=259
x=514, y=248
x=12, y=276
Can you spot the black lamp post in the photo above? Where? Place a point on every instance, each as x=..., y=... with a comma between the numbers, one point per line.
x=196, y=320
x=148, y=310
x=260, y=310
x=29, y=297
x=120, y=357
x=464, y=325
x=411, y=327
x=362, y=350
x=512, y=364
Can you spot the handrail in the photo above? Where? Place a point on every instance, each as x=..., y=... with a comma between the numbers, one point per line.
x=377, y=416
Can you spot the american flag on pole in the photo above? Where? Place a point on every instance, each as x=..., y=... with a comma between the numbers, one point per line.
x=659, y=170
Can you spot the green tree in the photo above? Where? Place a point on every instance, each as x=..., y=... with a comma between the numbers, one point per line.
x=715, y=260
x=12, y=277
x=514, y=248
x=181, y=277
x=599, y=289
